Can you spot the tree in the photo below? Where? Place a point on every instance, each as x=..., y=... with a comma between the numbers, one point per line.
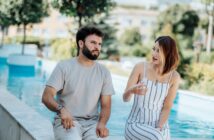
x=110, y=44
x=83, y=9
x=204, y=23
x=4, y=23
x=28, y=11
x=5, y=18
x=183, y=22
x=187, y=24
x=131, y=37
x=210, y=12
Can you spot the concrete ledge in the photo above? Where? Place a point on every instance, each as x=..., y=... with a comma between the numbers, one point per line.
x=23, y=65
x=21, y=60
x=20, y=122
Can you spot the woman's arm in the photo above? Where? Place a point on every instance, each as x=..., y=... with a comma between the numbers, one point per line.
x=168, y=103
x=132, y=86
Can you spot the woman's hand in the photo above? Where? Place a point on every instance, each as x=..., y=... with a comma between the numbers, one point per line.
x=139, y=89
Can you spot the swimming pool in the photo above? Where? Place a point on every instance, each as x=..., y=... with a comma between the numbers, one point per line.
x=186, y=121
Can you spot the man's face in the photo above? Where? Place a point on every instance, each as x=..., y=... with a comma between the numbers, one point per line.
x=92, y=46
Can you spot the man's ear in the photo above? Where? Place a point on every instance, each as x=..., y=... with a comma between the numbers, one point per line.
x=81, y=43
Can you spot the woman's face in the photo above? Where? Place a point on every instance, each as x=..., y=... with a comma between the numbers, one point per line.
x=157, y=55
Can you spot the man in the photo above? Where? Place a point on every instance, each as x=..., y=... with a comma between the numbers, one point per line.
x=80, y=85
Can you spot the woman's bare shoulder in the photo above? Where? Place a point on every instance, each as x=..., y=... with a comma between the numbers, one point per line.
x=137, y=68
x=176, y=76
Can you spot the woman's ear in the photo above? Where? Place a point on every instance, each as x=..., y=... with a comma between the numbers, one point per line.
x=81, y=43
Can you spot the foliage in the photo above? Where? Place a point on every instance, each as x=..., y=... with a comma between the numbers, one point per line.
x=63, y=49
x=83, y=9
x=28, y=11
x=204, y=24
x=109, y=44
x=180, y=21
x=136, y=50
x=187, y=24
x=200, y=78
x=170, y=16
x=5, y=19
x=25, y=12
x=40, y=42
x=207, y=58
x=140, y=51
x=131, y=37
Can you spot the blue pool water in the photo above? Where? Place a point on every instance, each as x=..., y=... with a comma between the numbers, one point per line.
x=184, y=120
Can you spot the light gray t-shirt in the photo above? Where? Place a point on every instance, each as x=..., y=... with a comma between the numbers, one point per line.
x=80, y=87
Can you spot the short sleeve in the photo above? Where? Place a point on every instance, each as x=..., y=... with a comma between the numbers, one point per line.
x=56, y=79
x=107, y=88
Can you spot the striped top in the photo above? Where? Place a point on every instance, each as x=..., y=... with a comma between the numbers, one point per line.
x=146, y=108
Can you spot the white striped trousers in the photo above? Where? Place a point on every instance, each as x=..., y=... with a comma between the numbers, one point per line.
x=139, y=131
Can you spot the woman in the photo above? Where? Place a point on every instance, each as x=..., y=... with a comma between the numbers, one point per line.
x=154, y=87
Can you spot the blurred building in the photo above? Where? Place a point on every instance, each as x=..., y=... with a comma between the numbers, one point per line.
x=129, y=14
x=126, y=18
x=60, y=26
x=55, y=25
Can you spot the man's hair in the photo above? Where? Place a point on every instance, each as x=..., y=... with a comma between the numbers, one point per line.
x=170, y=52
x=86, y=31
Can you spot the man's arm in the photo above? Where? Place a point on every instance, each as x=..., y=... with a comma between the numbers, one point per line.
x=48, y=98
x=50, y=103
x=101, y=130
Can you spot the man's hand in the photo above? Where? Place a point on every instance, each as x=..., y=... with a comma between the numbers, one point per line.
x=66, y=118
x=101, y=130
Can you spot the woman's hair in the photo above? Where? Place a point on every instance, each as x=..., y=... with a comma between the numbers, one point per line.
x=170, y=52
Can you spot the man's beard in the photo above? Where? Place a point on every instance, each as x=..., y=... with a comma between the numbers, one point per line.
x=87, y=53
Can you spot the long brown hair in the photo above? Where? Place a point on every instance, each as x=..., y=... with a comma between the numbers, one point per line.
x=170, y=52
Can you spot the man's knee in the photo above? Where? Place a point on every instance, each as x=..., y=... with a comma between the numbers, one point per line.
x=73, y=133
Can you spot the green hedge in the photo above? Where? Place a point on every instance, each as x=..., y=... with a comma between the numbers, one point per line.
x=63, y=49
x=200, y=78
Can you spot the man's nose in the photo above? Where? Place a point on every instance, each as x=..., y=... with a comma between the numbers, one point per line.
x=97, y=46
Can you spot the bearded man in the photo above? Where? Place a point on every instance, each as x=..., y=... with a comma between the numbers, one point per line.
x=80, y=85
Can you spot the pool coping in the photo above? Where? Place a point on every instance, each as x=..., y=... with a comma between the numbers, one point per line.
x=44, y=130
x=18, y=109
x=31, y=121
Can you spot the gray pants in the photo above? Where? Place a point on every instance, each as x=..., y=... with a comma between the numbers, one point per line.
x=79, y=132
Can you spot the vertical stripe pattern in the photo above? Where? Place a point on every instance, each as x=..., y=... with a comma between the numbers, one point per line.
x=145, y=112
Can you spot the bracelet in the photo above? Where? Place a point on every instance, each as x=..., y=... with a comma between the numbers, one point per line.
x=59, y=108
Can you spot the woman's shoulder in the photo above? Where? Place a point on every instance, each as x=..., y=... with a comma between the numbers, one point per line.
x=140, y=65
x=175, y=76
